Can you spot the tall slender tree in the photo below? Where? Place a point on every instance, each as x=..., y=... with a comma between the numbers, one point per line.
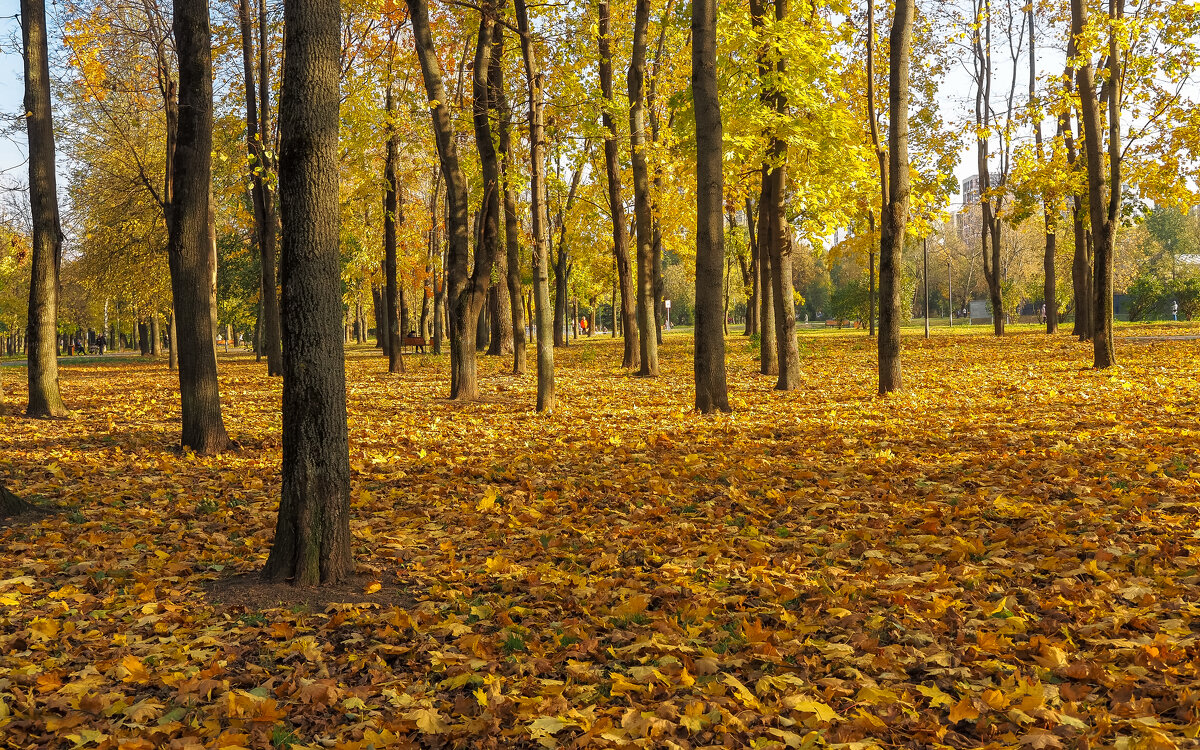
x=188, y=245
x=391, y=217
x=41, y=341
x=466, y=291
x=616, y=204
x=709, y=358
x=512, y=225
x=543, y=315
x=643, y=220
x=257, y=134
x=895, y=213
x=1104, y=190
x=312, y=536
x=1050, y=280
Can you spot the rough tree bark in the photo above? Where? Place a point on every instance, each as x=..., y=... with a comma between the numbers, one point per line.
x=616, y=203
x=540, y=209
x=42, y=337
x=312, y=536
x=895, y=214
x=188, y=246
x=709, y=358
x=647, y=325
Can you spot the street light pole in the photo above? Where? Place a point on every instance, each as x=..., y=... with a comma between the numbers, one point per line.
x=950, y=288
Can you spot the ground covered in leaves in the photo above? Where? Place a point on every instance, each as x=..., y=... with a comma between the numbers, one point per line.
x=1005, y=554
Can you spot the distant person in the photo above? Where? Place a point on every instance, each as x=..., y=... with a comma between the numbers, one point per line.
x=1175, y=310
x=101, y=342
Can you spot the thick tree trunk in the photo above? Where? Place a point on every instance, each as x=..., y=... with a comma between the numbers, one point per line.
x=42, y=337
x=11, y=505
x=312, y=536
x=616, y=203
x=647, y=326
x=392, y=217
x=260, y=191
x=541, y=215
x=500, y=306
x=188, y=245
x=709, y=359
x=465, y=296
x=895, y=213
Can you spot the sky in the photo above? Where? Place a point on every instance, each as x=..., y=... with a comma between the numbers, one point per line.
x=12, y=154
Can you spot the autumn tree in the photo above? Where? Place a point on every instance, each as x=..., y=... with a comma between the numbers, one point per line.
x=312, y=536
x=895, y=214
x=616, y=204
x=189, y=246
x=259, y=153
x=42, y=339
x=709, y=358
x=643, y=220
x=543, y=316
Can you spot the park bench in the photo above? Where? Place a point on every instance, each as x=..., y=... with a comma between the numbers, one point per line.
x=842, y=323
x=416, y=342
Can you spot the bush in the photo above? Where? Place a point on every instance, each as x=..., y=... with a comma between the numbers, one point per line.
x=1186, y=292
x=1146, y=295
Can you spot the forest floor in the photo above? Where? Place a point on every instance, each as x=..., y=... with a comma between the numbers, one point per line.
x=1006, y=553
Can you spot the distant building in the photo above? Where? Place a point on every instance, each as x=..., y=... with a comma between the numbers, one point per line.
x=969, y=220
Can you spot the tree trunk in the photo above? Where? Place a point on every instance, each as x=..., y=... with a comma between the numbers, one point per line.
x=1081, y=265
x=10, y=504
x=560, y=296
x=990, y=229
x=173, y=344
x=647, y=327
x=1103, y=215
x=391, y=217
x=188, y=245
x=42, y=337
x=312, y=536
x=709, y=359
x=881, y=159
x=616, y=203
x=512, y=225
x=768, y=363
x=155, y=335
x=541, y=215
x=752, y=305
x=465, y=297
x=895, y=214
x=1050, y=284
x=260, y=191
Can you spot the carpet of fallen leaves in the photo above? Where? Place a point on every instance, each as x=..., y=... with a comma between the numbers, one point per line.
x=1005, y=554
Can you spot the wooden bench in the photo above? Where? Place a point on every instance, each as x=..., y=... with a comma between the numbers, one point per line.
x=842, y=323
x=416, y=342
